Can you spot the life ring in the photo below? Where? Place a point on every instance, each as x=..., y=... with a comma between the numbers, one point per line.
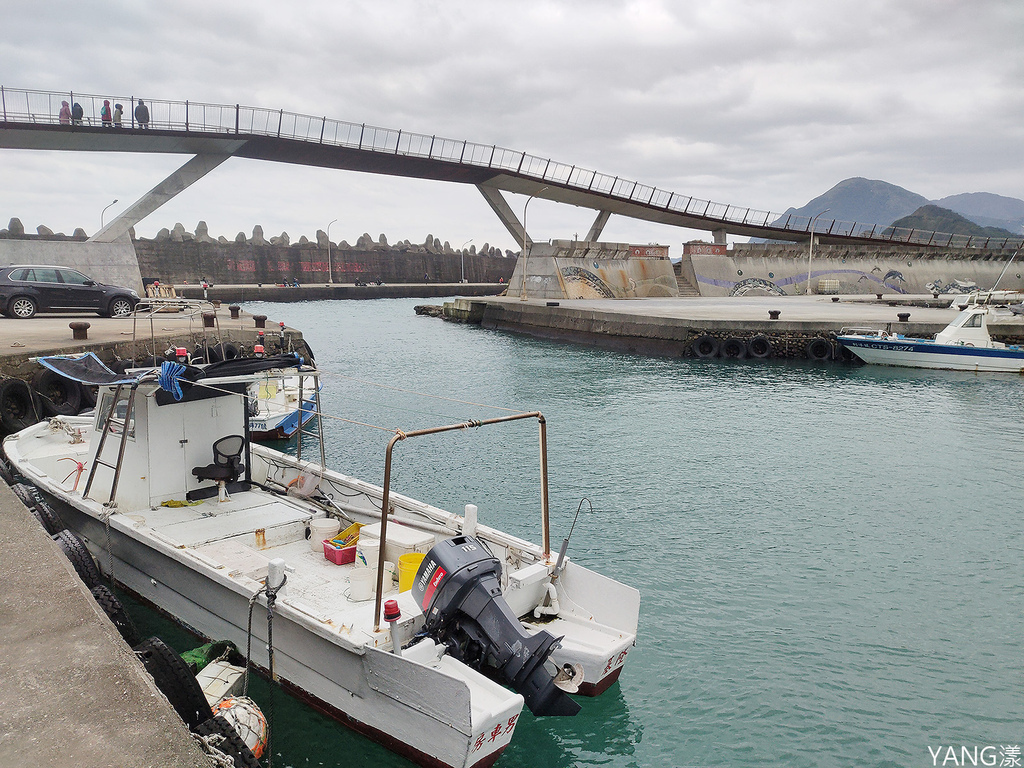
x=759, y=347
x=58, y=396
x=175, y=680
x=80, y=558
x=705, y=347
x=116, y=613
x=819, y=349
x=17, y=406
x=734, y=348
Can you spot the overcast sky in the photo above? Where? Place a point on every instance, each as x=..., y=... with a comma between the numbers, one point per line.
x=753, y=103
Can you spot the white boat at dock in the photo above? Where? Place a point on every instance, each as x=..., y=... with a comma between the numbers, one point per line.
x=965, y=344
x=279, y=404
x=179, y=507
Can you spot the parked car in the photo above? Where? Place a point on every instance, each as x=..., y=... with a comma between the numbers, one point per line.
x=29, y=288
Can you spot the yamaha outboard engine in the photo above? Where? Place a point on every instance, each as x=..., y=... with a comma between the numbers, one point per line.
x=458, y=586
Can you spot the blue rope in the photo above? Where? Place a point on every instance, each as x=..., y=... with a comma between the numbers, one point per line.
x=168, y=379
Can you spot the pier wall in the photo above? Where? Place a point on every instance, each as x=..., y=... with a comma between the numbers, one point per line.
x=781, y=269
x=247, y=263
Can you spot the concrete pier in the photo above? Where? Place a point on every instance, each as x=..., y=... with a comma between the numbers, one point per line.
x=73, y=692
x=670, y=326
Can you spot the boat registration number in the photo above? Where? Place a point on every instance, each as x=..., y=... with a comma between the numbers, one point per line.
x=492, y=734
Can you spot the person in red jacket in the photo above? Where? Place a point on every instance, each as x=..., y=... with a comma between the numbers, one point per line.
x=105, y=114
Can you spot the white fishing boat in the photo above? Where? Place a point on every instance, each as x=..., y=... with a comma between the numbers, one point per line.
x=278, y=404
x=179, y=507
x=965, y=344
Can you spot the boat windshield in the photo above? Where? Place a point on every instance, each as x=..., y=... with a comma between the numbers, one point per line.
x=969, y=318
x=120, y=411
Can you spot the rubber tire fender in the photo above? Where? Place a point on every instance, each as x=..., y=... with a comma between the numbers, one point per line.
x=734, y=348
x=175, y=680
x=760, y=347
x=80, y=558
x=208, y=354
x=705, y=347
x=39, y=506
x=58, y=396
x=89, y=394
x=231, y=350
x=231, y=743
x=117, y=614
x=819, y=349
x=6, y=473
x=17, y=406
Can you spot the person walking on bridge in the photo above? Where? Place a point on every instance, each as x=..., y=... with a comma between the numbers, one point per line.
x=105, y=113
x=77, y=113
x=118, y=115
x=142, y=114
x=65, y=113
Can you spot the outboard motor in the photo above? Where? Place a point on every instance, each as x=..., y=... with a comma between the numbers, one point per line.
x=458, y=587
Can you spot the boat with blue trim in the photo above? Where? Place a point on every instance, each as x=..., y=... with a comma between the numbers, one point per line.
x=966, y=344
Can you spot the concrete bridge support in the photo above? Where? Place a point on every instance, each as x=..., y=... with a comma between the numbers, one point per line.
x=505, y=214
x=181, y=179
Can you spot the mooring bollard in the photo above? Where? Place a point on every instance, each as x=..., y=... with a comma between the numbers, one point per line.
x=260, y=320
x=903, y=316
x=235, y=309
x=216, y=303
x=208, y=319
x=79, y=330
x=773, y=314
x=835, y=299
x=878, y=296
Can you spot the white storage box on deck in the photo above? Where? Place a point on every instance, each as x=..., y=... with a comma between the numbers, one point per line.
x=402, y=540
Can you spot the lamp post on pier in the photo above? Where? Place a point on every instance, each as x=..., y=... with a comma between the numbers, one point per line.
x=330, y=270
x=810, y=254
x=105, y=210
x=463, y=250
x=526, y=253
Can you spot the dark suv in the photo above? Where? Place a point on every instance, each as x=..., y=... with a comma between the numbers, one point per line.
x=27, y=289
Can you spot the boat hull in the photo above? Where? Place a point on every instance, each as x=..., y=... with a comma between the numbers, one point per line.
x=346, y=685
x=922, y=353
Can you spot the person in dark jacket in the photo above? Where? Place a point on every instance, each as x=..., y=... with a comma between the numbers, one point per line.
x=77, y=113
x=142, y=114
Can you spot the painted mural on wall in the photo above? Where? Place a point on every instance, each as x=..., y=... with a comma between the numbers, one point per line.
x=631, y=278
x=583, y=284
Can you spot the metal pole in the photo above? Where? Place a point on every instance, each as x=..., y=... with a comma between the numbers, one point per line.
x=104, y=211
x=463, y=250
x=526, y=253
x=330, y=270
x=810, y=254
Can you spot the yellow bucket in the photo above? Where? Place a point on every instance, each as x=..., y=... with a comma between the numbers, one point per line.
x=407, y=567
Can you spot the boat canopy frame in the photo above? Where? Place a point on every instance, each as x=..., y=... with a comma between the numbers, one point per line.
x=385, y=498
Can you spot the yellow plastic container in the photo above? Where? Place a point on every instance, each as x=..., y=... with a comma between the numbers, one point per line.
x=407, y=567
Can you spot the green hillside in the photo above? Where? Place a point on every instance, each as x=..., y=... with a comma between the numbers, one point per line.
x=935, y=219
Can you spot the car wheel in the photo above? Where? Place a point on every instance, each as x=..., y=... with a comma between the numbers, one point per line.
x=22, y=307
x=121, y=307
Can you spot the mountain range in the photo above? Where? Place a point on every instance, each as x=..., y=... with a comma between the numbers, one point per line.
x=872, y=202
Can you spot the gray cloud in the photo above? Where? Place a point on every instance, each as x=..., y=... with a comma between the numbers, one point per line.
x=755, y=104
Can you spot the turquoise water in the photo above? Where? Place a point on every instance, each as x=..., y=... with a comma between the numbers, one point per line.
x=829, y=558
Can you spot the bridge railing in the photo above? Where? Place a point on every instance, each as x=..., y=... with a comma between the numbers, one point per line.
x=28, y=106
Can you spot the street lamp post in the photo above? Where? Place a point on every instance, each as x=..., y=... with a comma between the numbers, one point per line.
x=810, y=253
x=526, y=253
x=463, y=249
x=104, y=211
x=330, y=270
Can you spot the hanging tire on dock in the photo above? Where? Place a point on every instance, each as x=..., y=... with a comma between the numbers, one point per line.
x=819, y=349
x=734, y=348
x=760, y=347
x=229, y=742
x=705, y=347
x=39, y=507
x=80, y=558
x=89, y=394
x=17, y=406
x=207, y=354
x=58, y=396
x=6, y=473
x=115, y=611
x=175, y=680
x=230, y=350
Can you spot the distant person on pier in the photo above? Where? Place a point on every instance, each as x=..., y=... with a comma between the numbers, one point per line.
x=77, y=113
x=65, y=113
x=105, y=114
x=118, y=115
x=426, y=278
x=142, y=114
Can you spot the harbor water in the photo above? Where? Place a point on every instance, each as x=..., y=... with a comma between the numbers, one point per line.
x=830, y=558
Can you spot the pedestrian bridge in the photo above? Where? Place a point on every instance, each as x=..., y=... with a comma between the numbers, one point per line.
x=214, y=133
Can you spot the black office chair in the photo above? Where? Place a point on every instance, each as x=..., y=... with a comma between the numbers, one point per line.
x=227, y=464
